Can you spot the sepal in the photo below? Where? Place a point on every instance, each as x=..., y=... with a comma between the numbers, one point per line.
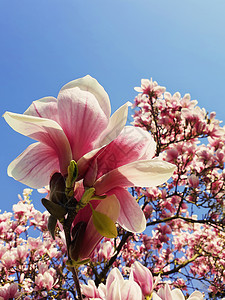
x=78, y=232
x=52, y=221
x=74, y=264
x=57, y=189
x=54, y=209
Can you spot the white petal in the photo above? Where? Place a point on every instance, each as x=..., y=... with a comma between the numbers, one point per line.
x=43, y=130
x=46, y=107
x=116, y=124
x=143, y=173
x=34, y=166
x=90, y=84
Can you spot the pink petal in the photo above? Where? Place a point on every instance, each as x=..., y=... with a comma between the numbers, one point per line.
x=196, y=295
x=131, y=216
x=35, y=165
x=81, y=118
x=44, y=108
x=132, y=144
x=113, y=275
x=143, y=173
x=109, y=206
x=116, y=124
x=91, y=85
x=85, y=161
x=130, y=290
x=43, y=130
x=114, y=291
x=85, y=213
x=165, y=293
x=143, y=277
x=155, y=296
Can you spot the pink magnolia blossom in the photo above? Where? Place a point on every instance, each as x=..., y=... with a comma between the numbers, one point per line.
x=66, y=128
x=143, y=277
x=91, y=291
x=150, y=87
x=116, y=288
x=165, y=293
x=9, y=291
x=110, y=157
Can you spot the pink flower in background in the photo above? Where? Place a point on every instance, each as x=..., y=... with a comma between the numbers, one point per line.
x=165, y=293
x=9, y=291
x=143, y=277
x=66, y=128
x=116, y=288
x=119, y=289
x=150, y=87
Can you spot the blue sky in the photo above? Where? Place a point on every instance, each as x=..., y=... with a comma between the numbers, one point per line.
x=46, y=43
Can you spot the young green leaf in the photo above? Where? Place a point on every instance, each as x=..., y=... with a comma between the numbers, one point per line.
x=104, y=225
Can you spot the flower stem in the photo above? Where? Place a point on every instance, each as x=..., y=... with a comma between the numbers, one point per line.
x=67, y=226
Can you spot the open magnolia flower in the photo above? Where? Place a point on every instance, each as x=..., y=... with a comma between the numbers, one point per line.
x=110, y=156
x=165, y=293
x=66, y=128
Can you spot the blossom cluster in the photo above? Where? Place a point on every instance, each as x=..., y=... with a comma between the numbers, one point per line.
x=186, y=214
x=140, y=285
x=185, y=237
x=31, y=267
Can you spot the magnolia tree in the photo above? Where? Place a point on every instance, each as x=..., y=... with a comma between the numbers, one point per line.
x=133, y=212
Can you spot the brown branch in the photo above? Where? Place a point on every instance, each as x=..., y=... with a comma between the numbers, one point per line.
x=113, y=258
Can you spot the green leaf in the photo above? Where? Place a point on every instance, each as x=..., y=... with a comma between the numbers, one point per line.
x=104, y=225
x=54, y=209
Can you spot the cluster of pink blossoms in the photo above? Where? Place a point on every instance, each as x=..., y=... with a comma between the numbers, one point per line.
x=185, y=238
x=139, y=286
x=187, y=213
x=31, y=267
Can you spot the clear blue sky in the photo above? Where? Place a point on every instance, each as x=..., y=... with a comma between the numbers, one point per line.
x=46, y=43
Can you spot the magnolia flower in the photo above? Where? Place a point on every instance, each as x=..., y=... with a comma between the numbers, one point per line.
x=9, y=291
x=165, y=293
x=119, y=289
x=110, y=157
x=150, y=87
x=143, y=277
x=66, y=128
x=116, y=288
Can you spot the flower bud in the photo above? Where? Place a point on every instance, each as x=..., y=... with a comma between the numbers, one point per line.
x=143, y=277
x=193, y=181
